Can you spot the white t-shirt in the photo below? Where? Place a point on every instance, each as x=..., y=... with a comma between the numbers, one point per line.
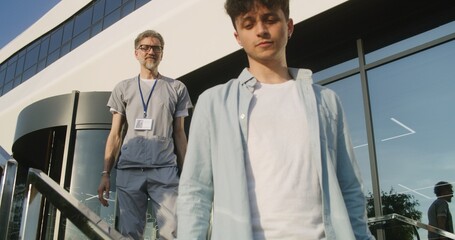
x=283, y=185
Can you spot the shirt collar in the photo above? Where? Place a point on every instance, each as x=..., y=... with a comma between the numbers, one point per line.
x=299, y=74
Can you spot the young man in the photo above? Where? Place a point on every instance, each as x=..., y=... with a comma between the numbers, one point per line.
x=269, y=151
x=439, y=213
x=153, y=107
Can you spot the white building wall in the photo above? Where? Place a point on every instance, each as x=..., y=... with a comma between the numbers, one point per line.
x=196, y=32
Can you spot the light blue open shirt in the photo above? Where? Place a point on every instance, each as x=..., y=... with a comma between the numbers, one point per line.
x=214, y=169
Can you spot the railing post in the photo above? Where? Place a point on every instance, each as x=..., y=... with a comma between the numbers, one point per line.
x=31, y=213
x=8, y=184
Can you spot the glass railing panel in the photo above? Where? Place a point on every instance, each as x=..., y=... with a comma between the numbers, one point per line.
x=42, y=186
x=399, y=223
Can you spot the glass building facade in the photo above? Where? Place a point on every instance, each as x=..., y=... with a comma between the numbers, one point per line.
x=410, y=88
x=394, y=76
x=400, y=96
x=88, y=22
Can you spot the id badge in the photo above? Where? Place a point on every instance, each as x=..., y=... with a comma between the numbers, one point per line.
x=143, y=124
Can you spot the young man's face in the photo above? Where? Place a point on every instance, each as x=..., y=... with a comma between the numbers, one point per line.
x=149, y=53
x=263, y=33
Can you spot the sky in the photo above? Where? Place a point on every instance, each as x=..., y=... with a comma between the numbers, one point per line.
x=17, y=15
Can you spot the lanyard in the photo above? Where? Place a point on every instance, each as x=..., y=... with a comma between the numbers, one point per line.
x=144, y=104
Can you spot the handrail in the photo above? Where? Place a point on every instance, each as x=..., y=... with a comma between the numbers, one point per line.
x=39, y=185
x=7, y=186
x=412, y=222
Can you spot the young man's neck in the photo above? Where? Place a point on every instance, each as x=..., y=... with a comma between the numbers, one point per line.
x=149, y=74
x=272, y=74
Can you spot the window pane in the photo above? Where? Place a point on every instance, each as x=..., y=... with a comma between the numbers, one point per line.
x=96, y=28
x=41, y=65
x=83, y=21
x=412, y=108
x=20, y=65
x=56, y=40
x=22, y=53
x=10, y=71
x=111, y=18
x=2, y=77
x=43, y=48
x=16, y=82
x=140, y=3
x=7, y=87
x=78, y=40
x=31, y=57
x=65, y=49
x=14, y=57
x=68, y=31
x=112, y=5
x=127, y=8
x=98, y=11
x=53, y=57
x=29, y=73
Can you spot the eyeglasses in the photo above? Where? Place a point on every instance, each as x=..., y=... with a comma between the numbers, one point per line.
x=146, y=48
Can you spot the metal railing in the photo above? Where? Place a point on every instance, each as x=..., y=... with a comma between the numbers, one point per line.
x=8, y=183
x=39, y=185
x=378, y=221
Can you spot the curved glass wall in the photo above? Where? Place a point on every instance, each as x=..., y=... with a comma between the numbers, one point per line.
x=85, y=177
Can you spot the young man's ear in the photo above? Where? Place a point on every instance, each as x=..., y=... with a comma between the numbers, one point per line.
x=236, y=35
x=290, y=27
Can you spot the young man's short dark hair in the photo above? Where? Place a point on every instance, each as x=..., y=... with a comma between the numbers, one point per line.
x=235, y=8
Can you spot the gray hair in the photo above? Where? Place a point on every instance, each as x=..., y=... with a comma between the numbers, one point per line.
x=146, y=34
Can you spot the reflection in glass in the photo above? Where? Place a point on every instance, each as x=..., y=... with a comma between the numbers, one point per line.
x=412, y=110
x=85, y=176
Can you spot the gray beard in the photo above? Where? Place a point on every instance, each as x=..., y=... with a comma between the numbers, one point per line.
x=150, y=66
